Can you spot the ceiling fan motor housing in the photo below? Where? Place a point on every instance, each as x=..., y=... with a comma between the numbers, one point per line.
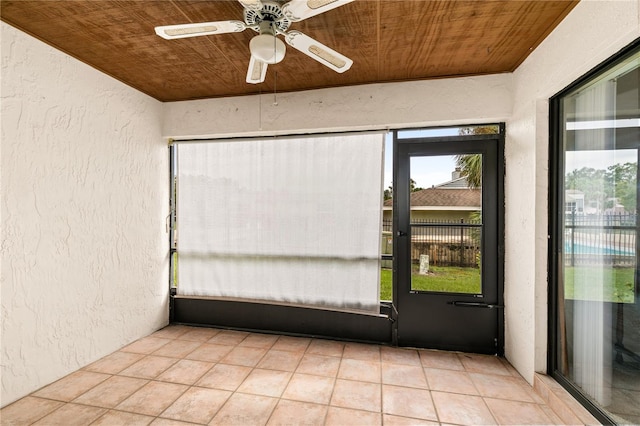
x=270, y=12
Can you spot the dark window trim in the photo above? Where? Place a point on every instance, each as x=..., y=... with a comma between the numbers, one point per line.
x=556, y=199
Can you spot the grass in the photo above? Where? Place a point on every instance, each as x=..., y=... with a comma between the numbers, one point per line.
x=440, y=279
x=604, y=284
x=617, y=283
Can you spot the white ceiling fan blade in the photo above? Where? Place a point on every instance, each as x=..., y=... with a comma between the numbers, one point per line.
x=297, y=10
x=251, y=4
x=318, y=51
x=171, y=32
x=257, y=71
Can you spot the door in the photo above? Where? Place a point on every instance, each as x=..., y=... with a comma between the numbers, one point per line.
x=448, y=266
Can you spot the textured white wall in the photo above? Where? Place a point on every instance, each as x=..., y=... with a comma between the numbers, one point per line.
x=375, y=106
x=84, y=197
x=592, y=32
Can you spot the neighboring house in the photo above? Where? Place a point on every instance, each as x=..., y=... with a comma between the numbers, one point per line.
x=574, y=201
x=451, y=201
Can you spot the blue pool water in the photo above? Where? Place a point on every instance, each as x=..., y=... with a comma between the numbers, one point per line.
x=585, y=249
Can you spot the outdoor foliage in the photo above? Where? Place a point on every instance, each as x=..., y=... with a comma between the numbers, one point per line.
x=603, y=186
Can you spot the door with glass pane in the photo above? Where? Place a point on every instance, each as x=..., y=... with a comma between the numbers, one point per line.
x=448, y=263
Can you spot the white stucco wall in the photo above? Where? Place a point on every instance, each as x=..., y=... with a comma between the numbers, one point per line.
x=376, y=106
x=84, y=197
x=591, y=33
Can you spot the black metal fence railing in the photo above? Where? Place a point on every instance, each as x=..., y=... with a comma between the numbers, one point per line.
x=601, y=239
x=447, y=243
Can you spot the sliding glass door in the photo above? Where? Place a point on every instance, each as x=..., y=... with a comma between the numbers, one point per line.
x=595, y=346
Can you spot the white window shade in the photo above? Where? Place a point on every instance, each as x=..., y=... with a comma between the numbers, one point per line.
x=294, y=220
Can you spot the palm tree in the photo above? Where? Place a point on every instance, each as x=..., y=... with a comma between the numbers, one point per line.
x=471, y=168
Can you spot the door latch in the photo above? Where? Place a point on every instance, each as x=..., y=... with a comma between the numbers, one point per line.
x=402, y=234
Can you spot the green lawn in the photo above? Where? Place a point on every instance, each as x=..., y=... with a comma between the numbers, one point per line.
x=601, y=284
x=440, y=279
x=617, y=283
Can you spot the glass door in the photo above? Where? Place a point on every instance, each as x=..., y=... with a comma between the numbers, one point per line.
x=448, y=263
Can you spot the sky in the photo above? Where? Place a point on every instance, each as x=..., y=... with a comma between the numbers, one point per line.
x=426, y=171
x=599, y=160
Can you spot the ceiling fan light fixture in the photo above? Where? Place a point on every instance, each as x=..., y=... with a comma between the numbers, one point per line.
x=267, y=48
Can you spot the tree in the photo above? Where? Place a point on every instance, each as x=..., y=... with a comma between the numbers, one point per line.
x=471, y=168
x=388, y=193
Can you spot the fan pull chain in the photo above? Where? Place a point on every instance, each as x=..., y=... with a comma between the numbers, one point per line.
x=275, y=89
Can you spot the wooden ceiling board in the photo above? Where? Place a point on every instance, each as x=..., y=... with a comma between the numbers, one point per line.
x=388, y=40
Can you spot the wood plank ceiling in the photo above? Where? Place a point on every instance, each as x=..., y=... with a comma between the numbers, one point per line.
x=388, y=40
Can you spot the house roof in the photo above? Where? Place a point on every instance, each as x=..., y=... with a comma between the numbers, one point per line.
x=388, y=40
x=444, y=197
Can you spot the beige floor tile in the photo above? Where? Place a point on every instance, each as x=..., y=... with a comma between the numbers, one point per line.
x=337, y=416
x=462, y=409
x=362, y=352
x=325, y=347
x=210, y=352
x=292, y=412
x=319, y=365
x=440, y=359
x=224, y=376
x=171, y=331
x=228, y=337
x=399, y=356
x=197, y=405
x=408, y=402
x=403, y=375
x=255, y=340
x=357, y=395
x=146, y=345
x=120, y=418
x=555, y=420
x=199, y=334
x=111, y=392
x=185, y=371
x=71, y=415
x=307, y=388
x=516, y=412
x=244, y=410
x=114, y=363
x=247, y=356
x=70, y=387
x=149, y=367
x=355, y=369
x=390, y=420
x=265, y=382
x=504, y=387
x=168, y=422
x=177, y=348
x=292, y=344
x=487, y=364
x=452, y=381
x=27, y=410
x=153, y=398
x=280, y=360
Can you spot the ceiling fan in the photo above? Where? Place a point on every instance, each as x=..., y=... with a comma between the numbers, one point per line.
x=270, y=19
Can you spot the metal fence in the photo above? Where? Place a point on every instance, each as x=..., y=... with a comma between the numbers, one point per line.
x=447, y=243
x=601, y=239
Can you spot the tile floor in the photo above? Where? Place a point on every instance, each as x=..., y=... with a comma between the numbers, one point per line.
x=186, y=375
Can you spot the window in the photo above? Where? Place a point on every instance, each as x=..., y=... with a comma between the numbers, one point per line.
x=291, y=220
x=593, y=258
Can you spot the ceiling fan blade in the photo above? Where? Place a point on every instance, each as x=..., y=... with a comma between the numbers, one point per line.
x=297, y=10
x=318, y=51
x=257, y=71
x=171, y=32
x=251, y=4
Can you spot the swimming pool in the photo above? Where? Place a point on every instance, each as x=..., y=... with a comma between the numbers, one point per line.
x=586, y=249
